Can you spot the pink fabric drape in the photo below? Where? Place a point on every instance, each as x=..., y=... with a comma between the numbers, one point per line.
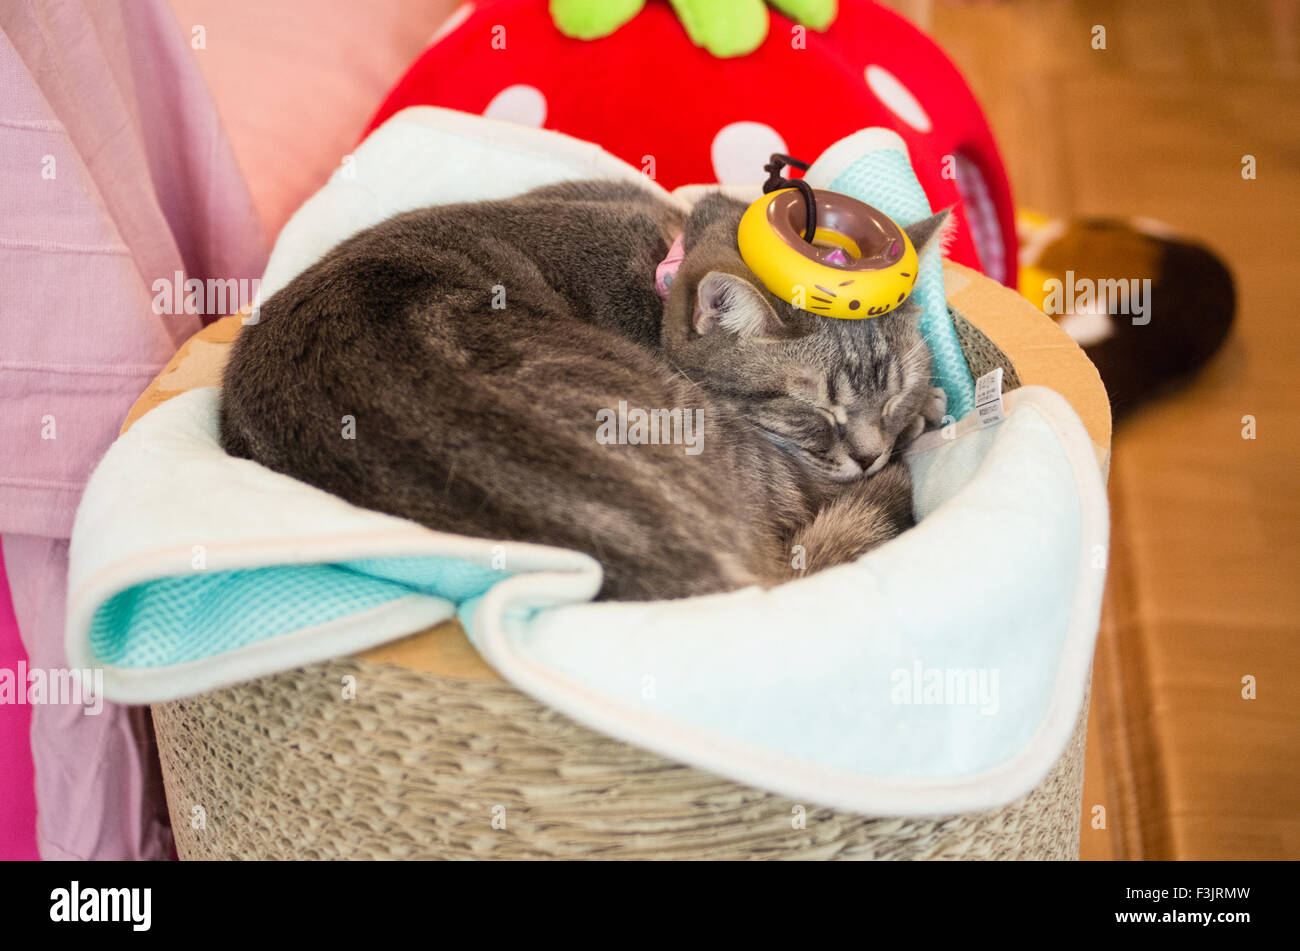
x=17, y=798
x=114, y=173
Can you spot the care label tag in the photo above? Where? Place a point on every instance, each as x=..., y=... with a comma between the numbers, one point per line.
x=988, y=398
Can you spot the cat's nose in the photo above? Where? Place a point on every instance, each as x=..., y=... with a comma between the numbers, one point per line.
x=865, y=460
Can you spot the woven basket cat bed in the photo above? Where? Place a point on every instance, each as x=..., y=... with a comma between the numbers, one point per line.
x=434, y=756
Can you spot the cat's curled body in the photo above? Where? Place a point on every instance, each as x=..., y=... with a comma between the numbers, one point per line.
x=481, y=420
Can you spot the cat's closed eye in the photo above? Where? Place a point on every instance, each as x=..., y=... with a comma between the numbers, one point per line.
x=797, y=420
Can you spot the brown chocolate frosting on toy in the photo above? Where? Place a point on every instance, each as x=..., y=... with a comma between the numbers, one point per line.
x=877, y=236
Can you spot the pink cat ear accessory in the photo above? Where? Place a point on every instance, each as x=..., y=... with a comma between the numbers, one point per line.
x=668, y=267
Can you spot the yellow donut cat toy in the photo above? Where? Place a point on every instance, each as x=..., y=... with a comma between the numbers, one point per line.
x=859, y=263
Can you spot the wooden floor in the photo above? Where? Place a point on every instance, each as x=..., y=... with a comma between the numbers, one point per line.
x=1205, y=567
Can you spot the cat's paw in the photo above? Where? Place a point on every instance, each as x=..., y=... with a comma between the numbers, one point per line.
x=935, y=408
x=914, y=429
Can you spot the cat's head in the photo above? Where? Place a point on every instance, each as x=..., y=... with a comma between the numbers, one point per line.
x=839, y=395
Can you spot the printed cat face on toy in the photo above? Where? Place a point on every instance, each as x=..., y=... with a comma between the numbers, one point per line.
x=840, y=395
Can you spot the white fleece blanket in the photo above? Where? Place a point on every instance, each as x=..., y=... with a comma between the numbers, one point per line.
x=943, y=672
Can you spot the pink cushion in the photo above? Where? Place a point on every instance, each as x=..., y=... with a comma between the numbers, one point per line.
x=296, y=80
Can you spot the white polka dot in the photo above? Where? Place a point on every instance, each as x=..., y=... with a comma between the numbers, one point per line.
x=524, y=105
x=741, y=149
x=449, y=25
x=898, y=98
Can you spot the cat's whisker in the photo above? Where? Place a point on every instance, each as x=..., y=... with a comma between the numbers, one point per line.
x=682, y=373
x=918, y=345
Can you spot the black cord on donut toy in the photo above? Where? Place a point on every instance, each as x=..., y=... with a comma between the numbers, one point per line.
x=775, y=181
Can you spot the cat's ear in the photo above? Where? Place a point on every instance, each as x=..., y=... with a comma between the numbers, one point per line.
x=935, y=231
x=733, y=304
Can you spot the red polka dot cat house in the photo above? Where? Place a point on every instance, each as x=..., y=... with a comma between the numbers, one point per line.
x=660, y=103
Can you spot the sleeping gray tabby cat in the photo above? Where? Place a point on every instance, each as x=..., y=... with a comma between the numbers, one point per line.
x=476, y=346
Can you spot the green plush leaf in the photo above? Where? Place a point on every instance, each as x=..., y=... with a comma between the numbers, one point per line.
x=725, y=28
x=817, y=14
x=592, y=19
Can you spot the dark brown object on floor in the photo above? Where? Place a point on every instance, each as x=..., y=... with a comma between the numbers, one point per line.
x=1190, y=304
